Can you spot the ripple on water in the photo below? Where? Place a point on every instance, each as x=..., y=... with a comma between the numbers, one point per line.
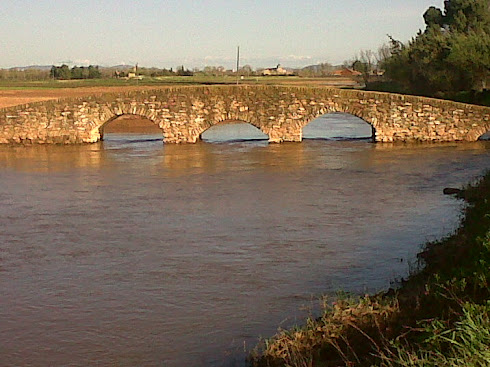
x=139, y=253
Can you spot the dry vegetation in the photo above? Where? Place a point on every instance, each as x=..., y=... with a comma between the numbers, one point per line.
x=439, y=317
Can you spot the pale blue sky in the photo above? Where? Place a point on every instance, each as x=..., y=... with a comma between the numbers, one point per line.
x=168, y=33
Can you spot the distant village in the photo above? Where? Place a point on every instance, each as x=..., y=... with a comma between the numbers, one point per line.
x=321, y=70
x=135, y=72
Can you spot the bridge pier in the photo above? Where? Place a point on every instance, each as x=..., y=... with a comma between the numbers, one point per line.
x=180, y=139
x=282, y=138
x=180, y=134
x=280, y=134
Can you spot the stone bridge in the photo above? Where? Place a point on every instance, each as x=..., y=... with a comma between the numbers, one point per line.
x=184, y=113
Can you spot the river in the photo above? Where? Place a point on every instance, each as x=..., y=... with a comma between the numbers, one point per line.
x=130, y=252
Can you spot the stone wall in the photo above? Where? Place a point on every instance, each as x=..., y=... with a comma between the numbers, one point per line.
x=184, y=113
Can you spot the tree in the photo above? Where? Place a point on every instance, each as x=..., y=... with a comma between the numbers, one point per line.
x=433, y=17
x=53, y=72
x=61, y=72
x=467, y=15
x=93, y=72
x=383, y=54
x=451, y=55
x=78, y=72
x=470, y=53
x=184, y=72
x=246, y=70
x=364, y=63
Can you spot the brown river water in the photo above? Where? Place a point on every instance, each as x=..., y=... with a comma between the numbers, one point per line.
x=130, y=252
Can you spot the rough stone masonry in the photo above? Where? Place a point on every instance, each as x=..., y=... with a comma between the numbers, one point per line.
x=184, y=113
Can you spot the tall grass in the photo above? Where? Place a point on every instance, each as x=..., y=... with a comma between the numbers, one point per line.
x=438, y=317
x=466, y=344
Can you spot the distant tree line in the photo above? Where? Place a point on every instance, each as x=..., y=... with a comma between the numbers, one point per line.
x=63, y=72
x=149, y=72
x=30, y=74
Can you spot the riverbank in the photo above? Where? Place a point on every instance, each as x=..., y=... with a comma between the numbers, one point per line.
x=438, y=317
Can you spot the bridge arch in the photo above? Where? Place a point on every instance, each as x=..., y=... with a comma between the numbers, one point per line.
x=481, y=132
x=129, y=123
x=485, y=136
x=338, y=125
x=227, y=130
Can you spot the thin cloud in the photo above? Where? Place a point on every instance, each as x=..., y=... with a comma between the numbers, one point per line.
x=297, y=57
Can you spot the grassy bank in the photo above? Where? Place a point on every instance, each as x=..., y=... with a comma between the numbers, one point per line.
x=438, y=317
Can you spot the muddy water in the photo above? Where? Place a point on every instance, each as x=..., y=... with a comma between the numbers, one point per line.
x=134, y=253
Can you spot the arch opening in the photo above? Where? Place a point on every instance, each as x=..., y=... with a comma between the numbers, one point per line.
x=485, y=137
x=338, y=126
x=131, y=128
x=233, y=131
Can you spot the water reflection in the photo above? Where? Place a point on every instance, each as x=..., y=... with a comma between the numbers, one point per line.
x=51, y=158
x=141, y=152
x=132, y=252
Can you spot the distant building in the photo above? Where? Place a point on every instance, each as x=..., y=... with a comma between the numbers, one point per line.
x=346, y=72
x=278, y=70
x=134, y=73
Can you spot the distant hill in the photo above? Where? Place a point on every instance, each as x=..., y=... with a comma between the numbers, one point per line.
x=118, y=67
x=48, y=67
x=31, y=67
x=320, y=67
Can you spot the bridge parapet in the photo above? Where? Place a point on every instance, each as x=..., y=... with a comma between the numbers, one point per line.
x=184, y=113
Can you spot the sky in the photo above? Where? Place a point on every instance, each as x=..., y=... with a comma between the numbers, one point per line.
x=198, y=33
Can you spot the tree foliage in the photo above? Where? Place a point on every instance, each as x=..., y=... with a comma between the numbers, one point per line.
x=433, y=17
x=451, y=55
x=184, y=72
x=63, y=72
x=28, y=74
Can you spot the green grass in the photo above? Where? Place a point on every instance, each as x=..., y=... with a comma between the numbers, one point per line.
x=438, y=317
x=55, y=84
x=464, y=344
x=168, y=80
x=163, y=81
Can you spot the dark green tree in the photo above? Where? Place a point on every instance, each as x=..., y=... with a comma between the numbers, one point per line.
x=467, y=15
x=93, y=72
x=451, y=55
x=53, y=73
x=470, y=55
x=433, y=17
x=78, y=72
x=184, y=72
x=64, y=72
